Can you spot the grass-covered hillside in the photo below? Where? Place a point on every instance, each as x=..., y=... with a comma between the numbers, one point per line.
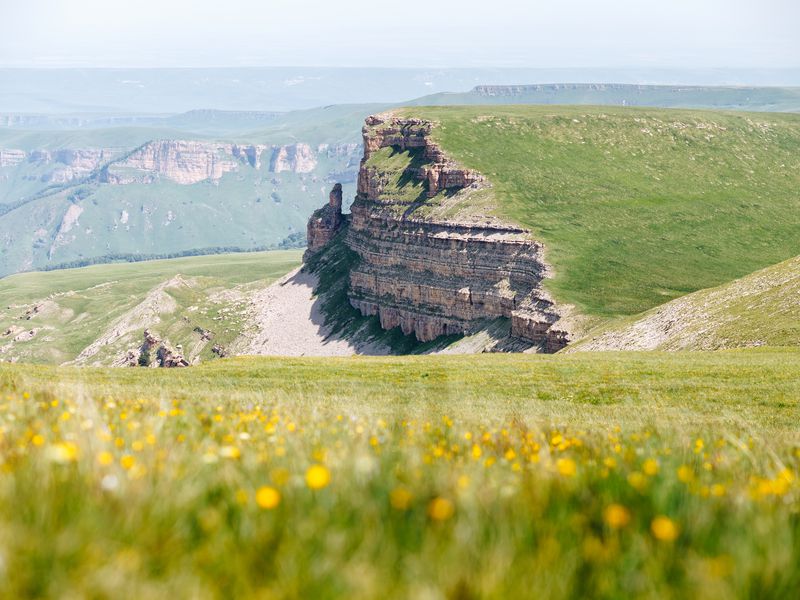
x=95, y=314
x=54, y=214
x=762, y=309
x=774, y=99
x=636, y=206
x=592, y=476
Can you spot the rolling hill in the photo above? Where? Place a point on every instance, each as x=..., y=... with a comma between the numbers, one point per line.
x=94, y=315
x=761, y=309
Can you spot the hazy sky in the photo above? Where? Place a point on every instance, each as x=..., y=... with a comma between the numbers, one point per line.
x=420, y=33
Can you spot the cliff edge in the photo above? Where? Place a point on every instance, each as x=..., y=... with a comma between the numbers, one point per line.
x=426, y=257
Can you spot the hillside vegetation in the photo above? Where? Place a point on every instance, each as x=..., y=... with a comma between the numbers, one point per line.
x=762, y=309
x=636, y=206
x=102, y=311
x=596, y=476
x=773, y=99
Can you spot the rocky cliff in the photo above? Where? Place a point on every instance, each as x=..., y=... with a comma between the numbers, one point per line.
x=11, y=157
x=189, y=162
x=325, y=222
x=433, y=275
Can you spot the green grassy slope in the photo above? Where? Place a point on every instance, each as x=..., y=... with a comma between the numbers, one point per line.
x=775, y=99
x=77, y=306
x=760, y=309
x=637, y=206
x=596, y=476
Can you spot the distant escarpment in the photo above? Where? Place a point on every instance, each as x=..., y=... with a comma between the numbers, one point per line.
x=189, y=162
x=430, y=260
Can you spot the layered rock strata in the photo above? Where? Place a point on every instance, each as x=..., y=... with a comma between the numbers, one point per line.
x=325, y=222
x=188, y=162
x=439, y=277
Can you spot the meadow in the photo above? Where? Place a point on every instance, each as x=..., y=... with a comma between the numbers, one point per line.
x=599, y=475
x=636, y=206
x=77, y=306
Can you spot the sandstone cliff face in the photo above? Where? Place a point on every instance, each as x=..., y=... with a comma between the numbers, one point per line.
x=11, y=157
x=434, y=277
x=325, y=222
x=183, y=162
x=73, y=164
x=297, y=158
x=189, y=162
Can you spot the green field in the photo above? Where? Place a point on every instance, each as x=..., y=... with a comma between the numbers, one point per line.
x=593, y=475
x=760, y=309
x=773, y=99
x=78, y=306
x=636, y=206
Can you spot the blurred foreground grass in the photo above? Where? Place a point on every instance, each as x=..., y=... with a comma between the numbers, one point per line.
x=588, y=475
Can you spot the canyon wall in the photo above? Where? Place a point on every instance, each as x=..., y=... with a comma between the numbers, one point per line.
x=435, y=276
x=189, y=162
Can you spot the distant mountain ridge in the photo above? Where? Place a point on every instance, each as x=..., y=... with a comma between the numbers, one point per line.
x=775, y=99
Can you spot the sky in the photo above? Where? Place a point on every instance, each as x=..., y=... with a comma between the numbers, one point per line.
x=408, y=33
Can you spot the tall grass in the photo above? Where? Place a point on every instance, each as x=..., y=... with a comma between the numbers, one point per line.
x=494, y=476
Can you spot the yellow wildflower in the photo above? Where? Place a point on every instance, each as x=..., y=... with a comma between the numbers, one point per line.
x=268, y=497
x=650, y=467
x=63, y=453
x=616, y=516
x=105, y=458
x=566, y=467
x=685, y=474
x=664, y=529
x=400, y=498
x=317, y=477
x=440, y=509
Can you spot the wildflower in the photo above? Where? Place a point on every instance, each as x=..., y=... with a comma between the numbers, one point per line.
x=650, y=467
x=476, y=451
x=440, y=509
x=105, y=458
x=566, y=467
x=268, y=497
x=127, y=461
x=685, y=474
x=637, y=481
x=400, y=498
x=317, y=477
x=230, y=452
x=63, y=453
x=664, y=529
x=37, y=440
x=616, y=516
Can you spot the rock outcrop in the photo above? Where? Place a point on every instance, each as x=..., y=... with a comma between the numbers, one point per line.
x=325, y=222
x=434, y=277
x=297, y=158
x=155, y=352
x=189, y=162
x=184, y=162
x=11, y=157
